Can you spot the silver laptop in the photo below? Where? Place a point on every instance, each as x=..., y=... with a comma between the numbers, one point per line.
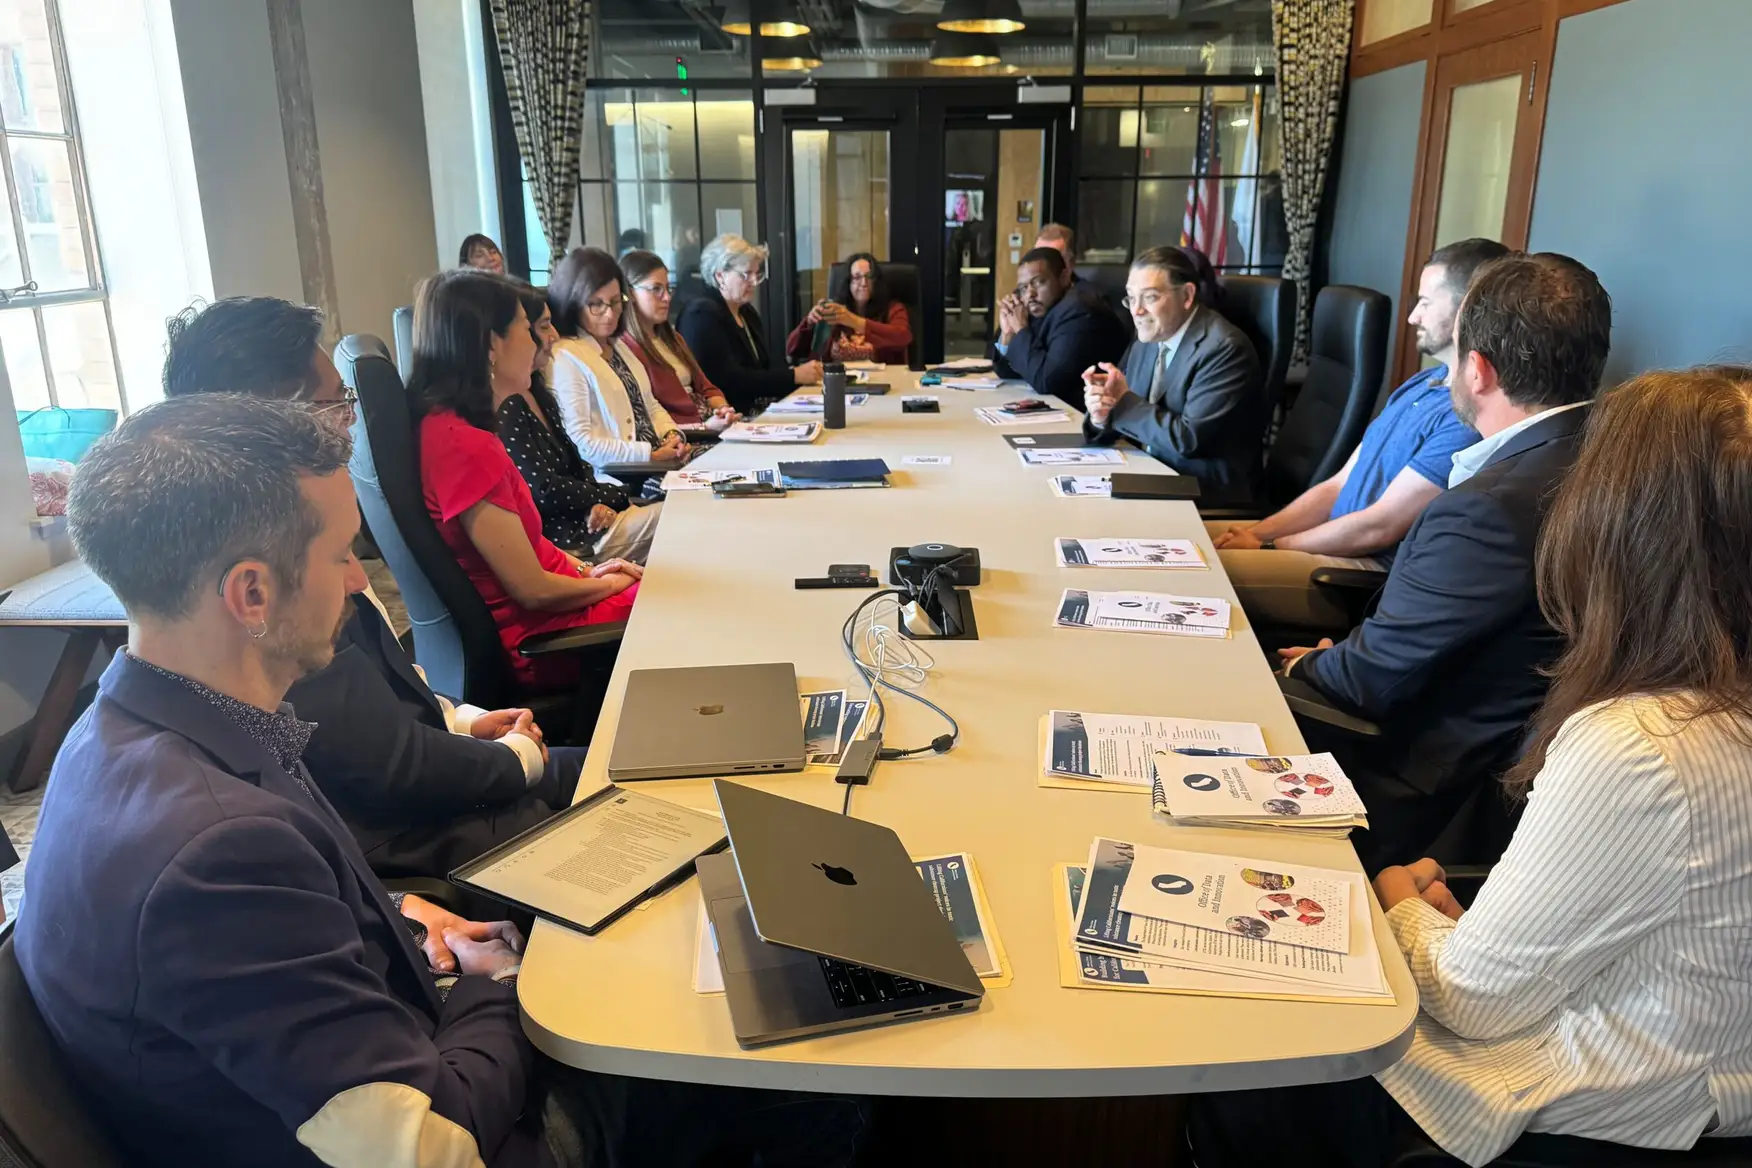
x=708, y=720
x=822, y=923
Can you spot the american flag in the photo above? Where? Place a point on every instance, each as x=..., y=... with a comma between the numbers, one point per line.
x=1206, y=225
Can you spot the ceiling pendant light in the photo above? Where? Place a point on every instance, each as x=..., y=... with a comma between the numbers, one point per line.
x=987, y=16
x=737, y=21
x=790, y=64
x=964, y=50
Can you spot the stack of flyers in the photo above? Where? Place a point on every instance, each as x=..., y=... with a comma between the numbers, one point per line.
x=811, y=403
x=830, y=722
x=1306, y=793
x=971, y=382
x=1143, y=612
x=1106, y=456
x=999, y=416
x=771, y=432
x=1081, y=486
x=702, y=480
x=1275, y=929
x=1116, y=752
x=955, y=886
x=1114, y=552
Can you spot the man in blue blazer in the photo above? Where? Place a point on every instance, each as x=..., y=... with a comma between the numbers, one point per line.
x=1051, y=328
x=1191, y=392
x=1450, y=660
x=203, y=937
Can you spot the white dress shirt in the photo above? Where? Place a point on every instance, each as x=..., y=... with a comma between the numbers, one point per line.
x=1601, y=984
x=1471, y=460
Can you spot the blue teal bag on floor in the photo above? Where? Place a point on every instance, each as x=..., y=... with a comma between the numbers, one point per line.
x=52, y=432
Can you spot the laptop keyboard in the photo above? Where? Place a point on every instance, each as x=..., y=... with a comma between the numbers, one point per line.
x=857, y=985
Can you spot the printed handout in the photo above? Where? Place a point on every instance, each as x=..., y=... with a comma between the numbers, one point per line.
x=1082, y=486
x=1116, y=552
x=1120, y=748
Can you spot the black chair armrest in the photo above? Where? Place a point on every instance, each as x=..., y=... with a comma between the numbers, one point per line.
x=643, y=470
x=1361, y=579
x=571, y=640
x=1307, y=702
x=1232, y=514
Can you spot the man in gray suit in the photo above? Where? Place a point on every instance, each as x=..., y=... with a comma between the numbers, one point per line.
x=1191, y=391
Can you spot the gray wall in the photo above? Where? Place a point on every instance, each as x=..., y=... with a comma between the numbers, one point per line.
x=1645, y=171
x=1377, y=168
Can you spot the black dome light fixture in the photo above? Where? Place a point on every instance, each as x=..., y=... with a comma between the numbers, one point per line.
x=964, y=50
x=982, y=16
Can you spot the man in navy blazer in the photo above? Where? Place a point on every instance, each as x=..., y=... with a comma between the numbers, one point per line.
x=203, y=938
x=1051, y=328
x=1450, y=660
x=1191, y=392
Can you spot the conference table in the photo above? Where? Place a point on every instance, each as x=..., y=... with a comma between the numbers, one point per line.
x=718, y=590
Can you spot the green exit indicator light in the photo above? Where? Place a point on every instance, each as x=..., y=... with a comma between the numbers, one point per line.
x=681, y=74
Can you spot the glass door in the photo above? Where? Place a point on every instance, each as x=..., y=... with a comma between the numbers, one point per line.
x=839, y=202
x=994, y=195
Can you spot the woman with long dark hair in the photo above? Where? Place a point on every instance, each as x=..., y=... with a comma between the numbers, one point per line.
x=583, y=514
x=482, y=254
x=1598, y=986
x=677, y=381
x=472, y=351
x=861, y=322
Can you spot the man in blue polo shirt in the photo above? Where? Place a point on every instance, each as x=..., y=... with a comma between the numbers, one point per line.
x=1356, y=518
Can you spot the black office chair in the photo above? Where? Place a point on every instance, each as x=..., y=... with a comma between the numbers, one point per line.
x=902, y=281
x=404, y=341
x=1109, y=280
x=45, y=1120
x=1537, y=1150
x=1264, y=307
x=455, y=639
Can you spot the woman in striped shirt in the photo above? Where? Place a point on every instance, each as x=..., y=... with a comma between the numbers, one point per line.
x=1601, y=983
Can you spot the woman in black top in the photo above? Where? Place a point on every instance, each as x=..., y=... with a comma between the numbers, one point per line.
x=579, y=512
x=723, y=329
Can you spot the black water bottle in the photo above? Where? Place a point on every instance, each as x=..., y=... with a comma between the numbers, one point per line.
x=833, y=396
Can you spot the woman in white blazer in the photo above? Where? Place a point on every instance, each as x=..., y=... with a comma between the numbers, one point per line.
x=1601, y=983
x=603, y=390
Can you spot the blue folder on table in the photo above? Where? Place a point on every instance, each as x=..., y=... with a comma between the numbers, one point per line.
x=833, y=474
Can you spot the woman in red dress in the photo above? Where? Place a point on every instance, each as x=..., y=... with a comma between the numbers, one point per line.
x=472, y=350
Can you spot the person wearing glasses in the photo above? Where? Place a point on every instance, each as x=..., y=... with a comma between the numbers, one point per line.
x=1050, y=330
x=603, y=390
x=585, y=515
x=724, y=330
x=859, y=323
x=1190, y=389
x=677, y=380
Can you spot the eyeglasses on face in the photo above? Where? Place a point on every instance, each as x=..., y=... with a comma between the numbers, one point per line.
x=603, y=307
x=348, y=401
x=1151, y=299
x=660, y=291
x=1037, y=285
x=757, y=276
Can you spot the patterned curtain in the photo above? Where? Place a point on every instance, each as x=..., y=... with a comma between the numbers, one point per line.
x=544, y=46
x=1313, y=39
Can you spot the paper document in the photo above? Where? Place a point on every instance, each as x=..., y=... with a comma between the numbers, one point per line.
x=1300, y=792
x=997, y=417
x=771, y=432
x=811, y=403
x=1101, y=925
x=927, y=460
x=822, y=712
x=1114, y=552
x=1143, y=612
x=1106, y=456
x=702, y=480
x=1082, y=486
x=1121, y=748
x=955, y=887
x=971, y=383
x=1260, y=899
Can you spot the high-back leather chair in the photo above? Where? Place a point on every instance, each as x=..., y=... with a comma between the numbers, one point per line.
x=902, y=283
x=455, y=638
x=1109, y=280
x=1264, y=307
x=45, y=1118
x=1347, y=355
x=404, y=341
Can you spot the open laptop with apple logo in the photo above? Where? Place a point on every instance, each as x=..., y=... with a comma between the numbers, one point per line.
x=821, y=923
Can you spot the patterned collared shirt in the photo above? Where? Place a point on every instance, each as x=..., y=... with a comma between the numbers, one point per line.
x=280, y=732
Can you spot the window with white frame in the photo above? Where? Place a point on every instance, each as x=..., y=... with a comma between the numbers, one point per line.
x=55, y=328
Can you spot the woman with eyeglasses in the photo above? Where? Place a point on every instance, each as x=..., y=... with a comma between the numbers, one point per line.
x=473, y=350
x=724, y=330
x=604, y=392
x=676, y=378
x=858, y=323
x=583, y=514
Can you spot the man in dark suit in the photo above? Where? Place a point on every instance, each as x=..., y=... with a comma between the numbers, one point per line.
x=1449, y=661
x=1050, y=330
x=423, y=784
x=1191, y=392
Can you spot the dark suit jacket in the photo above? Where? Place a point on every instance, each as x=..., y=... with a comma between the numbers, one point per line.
x=214, y=957
x=1052, y=352
x=1449, y=661
x=723, y=353
x=419, y=799
x=1206, y=416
